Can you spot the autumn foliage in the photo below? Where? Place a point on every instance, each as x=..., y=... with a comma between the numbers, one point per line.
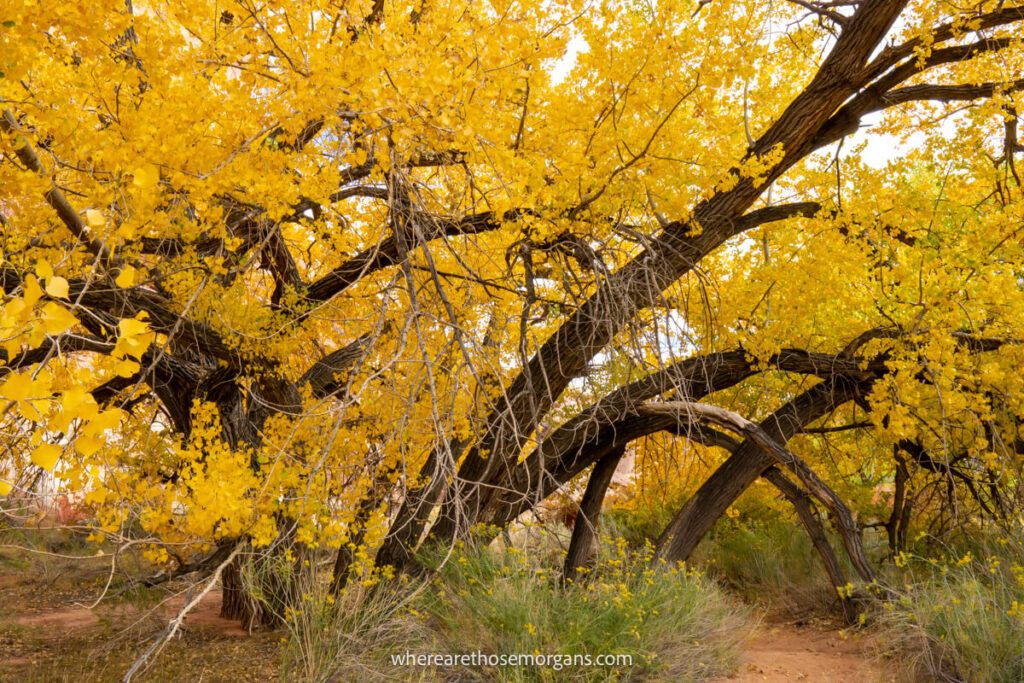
x=301, y=276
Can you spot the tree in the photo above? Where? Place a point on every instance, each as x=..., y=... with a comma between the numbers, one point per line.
x=297, y=275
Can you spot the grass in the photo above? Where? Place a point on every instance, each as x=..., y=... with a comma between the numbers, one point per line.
x=353, y=636
x=956, y=613
x=768, y=562
x=958, y=619
x=675, y=625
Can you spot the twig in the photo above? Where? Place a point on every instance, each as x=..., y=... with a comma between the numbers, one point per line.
x=172, y=627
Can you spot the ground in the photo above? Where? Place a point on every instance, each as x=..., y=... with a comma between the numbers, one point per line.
x=49, y=631
x=808, y=651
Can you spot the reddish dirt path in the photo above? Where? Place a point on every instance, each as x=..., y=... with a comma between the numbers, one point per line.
x=60, y=621
x=62, y=639
x=816, y=653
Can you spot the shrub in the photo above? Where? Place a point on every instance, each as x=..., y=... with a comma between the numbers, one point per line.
x=961, y=619
x=676, y=625
x=352, y=636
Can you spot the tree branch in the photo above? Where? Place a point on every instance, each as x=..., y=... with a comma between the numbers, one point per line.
x=54, y=197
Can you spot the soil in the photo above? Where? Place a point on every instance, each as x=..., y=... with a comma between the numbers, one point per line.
x=49, y=632
x=815, y=652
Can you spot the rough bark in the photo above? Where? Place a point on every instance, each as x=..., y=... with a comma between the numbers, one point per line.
x=235, y=600
x=743, y=467
x=584, y=543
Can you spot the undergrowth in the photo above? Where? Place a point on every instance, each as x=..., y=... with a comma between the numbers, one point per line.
x=958, y=618
x=675, y=625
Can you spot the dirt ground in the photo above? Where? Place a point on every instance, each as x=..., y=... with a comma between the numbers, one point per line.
x=50, y=632
x=813, y=652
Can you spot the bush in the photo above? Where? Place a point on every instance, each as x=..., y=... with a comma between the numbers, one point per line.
x=639, y=524
x=961, y=619
x=676, y=625
x=353, y=636
x=770, y=562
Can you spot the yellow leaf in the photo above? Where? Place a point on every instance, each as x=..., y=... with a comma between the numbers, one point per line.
x=56, y=318
x=133, y=338
x=88, y=445
x=57, y=287
x=34, y=409
x=127, y=230
x=95, y=496
x=126, y=368
x=132, y=327
x=108, y=419
x=146, y=177
x=5, y=487
x=126, y=278
x=78, y=402
x=95, y=218
x=44, y=269
x=33, y=292
x=17, y=387
x=45, y=455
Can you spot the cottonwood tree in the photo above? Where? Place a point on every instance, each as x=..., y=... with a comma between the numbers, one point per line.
x=297, y=275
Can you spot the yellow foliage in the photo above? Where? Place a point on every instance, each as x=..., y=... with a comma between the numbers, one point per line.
x=226, y=201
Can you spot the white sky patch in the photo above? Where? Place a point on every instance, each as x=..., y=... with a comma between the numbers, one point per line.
x=881, y=148
x=563, y=66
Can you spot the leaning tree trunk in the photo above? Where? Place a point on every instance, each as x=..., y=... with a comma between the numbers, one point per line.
x=803, y=507
x=812, y=524
x=750, y=460
x=584, y=543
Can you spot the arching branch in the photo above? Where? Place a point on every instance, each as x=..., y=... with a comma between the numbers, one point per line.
x=690, y=411
x=572, y=447
x=746, y=464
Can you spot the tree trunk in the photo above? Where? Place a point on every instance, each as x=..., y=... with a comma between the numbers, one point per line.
x=258, y=587
x=744, y=466
x=584, y=543
x=895, y=527
x=236, y=604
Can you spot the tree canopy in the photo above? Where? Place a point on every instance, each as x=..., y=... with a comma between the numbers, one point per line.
x=319, y=274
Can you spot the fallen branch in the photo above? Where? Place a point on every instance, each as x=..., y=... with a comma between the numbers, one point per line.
x=175, y=624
